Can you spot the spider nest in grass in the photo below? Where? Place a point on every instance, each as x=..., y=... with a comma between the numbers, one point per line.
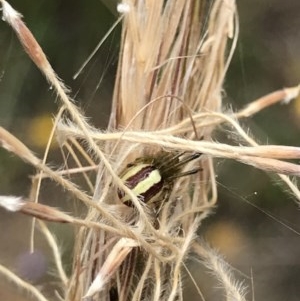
x=155, y=178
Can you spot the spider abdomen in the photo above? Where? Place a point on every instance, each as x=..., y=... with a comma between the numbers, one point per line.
x=144, y=180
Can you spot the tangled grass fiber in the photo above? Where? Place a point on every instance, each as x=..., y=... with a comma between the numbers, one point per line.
x=168, y=96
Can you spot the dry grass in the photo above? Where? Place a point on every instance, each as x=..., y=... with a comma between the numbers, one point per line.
x=168, y=95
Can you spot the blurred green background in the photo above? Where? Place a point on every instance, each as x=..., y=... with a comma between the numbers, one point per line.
x=267, y=58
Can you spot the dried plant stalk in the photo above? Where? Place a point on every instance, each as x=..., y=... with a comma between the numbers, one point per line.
x=168, y=95
x=172, y=63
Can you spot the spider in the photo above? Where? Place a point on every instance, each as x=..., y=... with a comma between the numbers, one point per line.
x=151, y=178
